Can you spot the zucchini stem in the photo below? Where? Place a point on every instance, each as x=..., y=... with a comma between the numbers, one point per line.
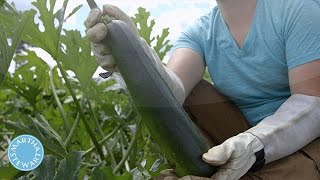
x=101, y=133
x=72, y=131
x=103, y=140
x=81, y=113
x=56, y=98
x=125, y=157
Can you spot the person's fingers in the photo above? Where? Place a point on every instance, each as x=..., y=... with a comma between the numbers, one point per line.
x=93, y=18
x=218, y=155
x=194, y=178
x=97, y=33
x=118, y=14
x=171, y=178
x=233, y=174
x=100, y=48
x=107, y=62
x=169, y=173
x=114, y=11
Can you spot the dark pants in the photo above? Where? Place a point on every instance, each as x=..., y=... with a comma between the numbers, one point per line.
x=219, y=119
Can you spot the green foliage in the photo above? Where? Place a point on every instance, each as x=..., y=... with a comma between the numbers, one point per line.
x=49, y=102
x=102, y=172
x=69, y=167
x=9, y=172
x=30, y=78
x=47, y=169
x=145, y=29
x=40, y=128
x=12, y=28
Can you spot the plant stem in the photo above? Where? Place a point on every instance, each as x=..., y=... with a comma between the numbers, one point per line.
x=123, y=136
x=82, y=117
x=93, y=5
x=72, y=131
x=96, y=121
x=63, y=114
x=6, y=133
x=116, y=139
x=125, y=157
x=123, y=144
x=74, y=126
x=3, y=155
x=103, y=140
x=100, y=131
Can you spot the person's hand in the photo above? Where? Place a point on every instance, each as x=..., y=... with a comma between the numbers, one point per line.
x=169, y=174
x=97, y=31
x=235, y=156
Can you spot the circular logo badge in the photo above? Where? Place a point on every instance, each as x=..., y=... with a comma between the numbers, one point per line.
x=25, y=152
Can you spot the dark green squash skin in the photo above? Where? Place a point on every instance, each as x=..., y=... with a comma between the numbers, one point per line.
x=168, y=123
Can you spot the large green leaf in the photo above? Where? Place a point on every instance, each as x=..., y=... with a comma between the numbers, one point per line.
x=48, y=37
x=76, y=56
x=30, y=78
x=145, y=28
x=46, y=171
x=9, y=173
x=11, y=29
x=70, y=166
x=41, y=129
x=162, y=47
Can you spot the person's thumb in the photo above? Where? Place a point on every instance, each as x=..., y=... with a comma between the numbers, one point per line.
x=218, y=155
x=118, y=14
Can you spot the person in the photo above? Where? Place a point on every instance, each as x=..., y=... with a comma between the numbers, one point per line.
x=264, y=55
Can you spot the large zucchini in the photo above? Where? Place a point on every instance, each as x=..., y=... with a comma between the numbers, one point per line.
x=166, y=120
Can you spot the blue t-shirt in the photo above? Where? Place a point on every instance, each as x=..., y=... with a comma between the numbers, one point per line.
x=283, y=34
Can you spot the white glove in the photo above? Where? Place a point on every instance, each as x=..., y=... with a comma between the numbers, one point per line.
x=235, y=156
x=294, y=125
x=97, y=31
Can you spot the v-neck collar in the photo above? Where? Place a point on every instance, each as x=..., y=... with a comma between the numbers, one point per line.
x=249, y=37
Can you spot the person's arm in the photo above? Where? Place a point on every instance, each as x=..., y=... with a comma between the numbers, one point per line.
x=305, y=79
x=294, y=125
x=189, y=66
x=297, y=121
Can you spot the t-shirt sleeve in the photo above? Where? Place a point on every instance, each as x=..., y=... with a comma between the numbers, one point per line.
x=191, y=38
x=302, y=32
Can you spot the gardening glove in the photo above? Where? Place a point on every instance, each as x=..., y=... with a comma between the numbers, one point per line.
x=236, y=156
x=294, y=125
x=169, y=174
x=97, y=31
